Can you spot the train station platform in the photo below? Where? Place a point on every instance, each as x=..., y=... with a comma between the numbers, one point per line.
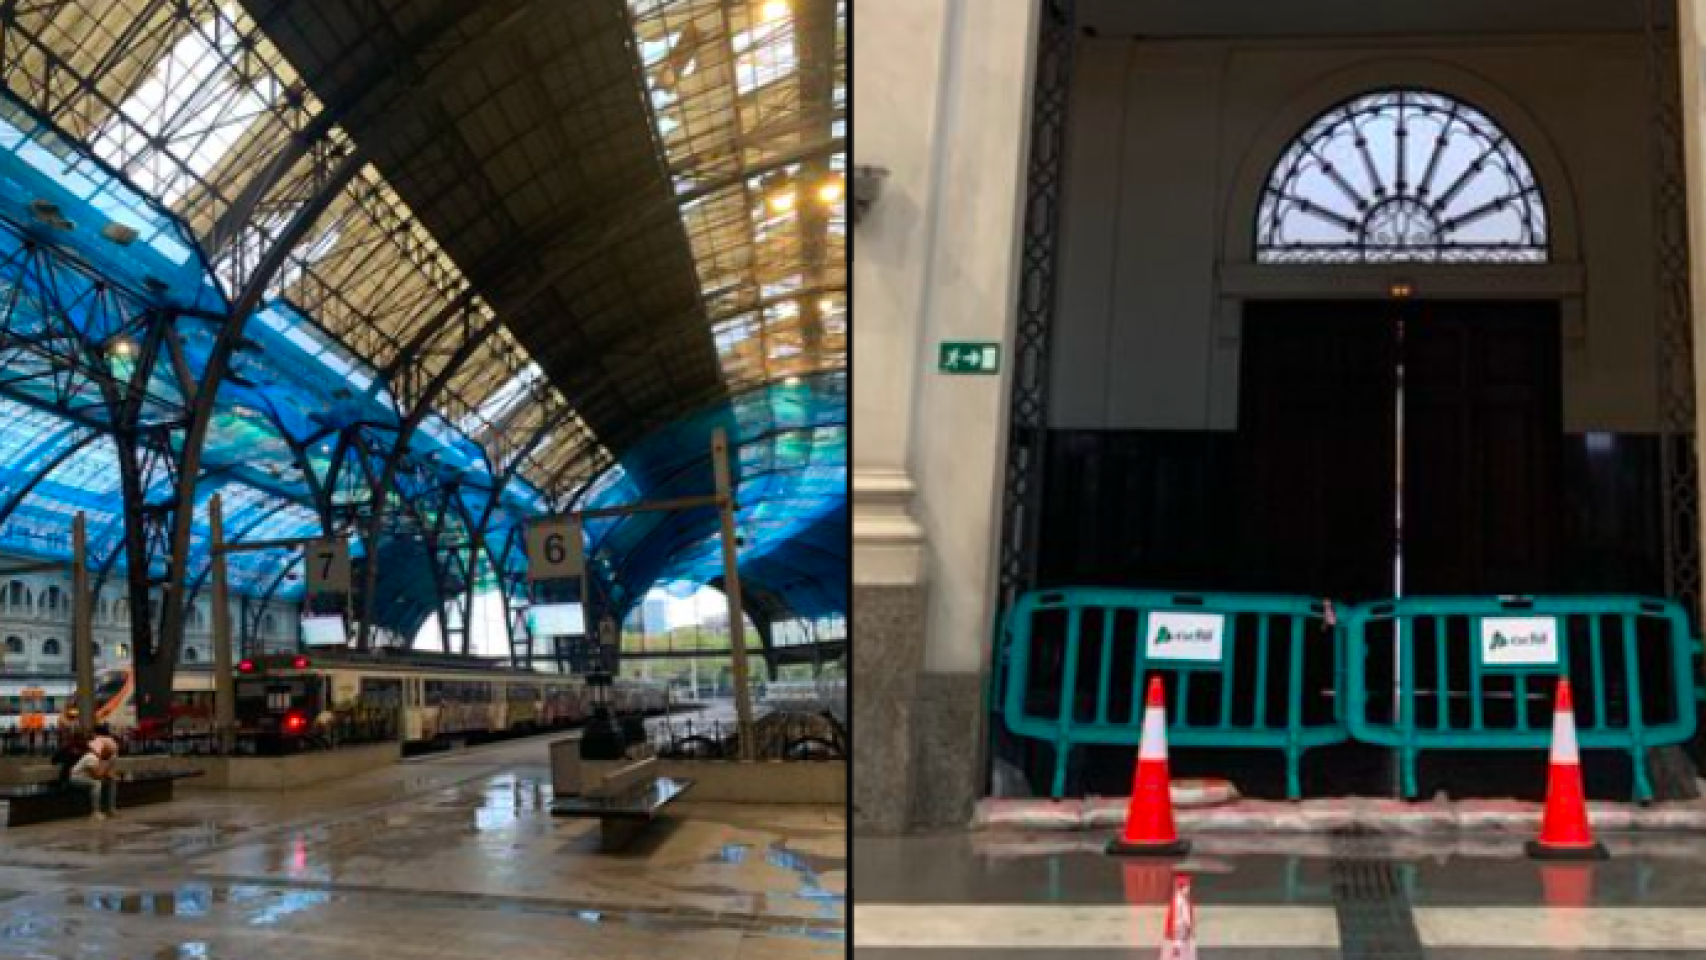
x=451, y=856
x=1026, y=897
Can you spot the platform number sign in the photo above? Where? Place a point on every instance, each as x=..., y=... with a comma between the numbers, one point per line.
x=328, y=567
x=554, y=549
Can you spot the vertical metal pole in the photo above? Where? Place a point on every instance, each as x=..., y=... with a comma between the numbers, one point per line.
x=731, y=588
x=224, y=704
x=82, y=625
x=589, y=630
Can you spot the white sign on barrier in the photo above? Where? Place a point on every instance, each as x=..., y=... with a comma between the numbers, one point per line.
x=1194, y=637
x=1519, y=641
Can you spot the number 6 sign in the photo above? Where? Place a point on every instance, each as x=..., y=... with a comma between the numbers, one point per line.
x=328, y=567
x=554, y=549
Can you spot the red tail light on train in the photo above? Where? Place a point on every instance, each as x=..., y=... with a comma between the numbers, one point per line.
x=295, y=722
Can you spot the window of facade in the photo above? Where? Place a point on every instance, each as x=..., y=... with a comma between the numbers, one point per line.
x=1402, y=176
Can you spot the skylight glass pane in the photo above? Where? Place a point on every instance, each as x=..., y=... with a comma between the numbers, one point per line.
x=192, y=106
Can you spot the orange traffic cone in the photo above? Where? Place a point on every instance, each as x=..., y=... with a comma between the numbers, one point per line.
x=1179, y=938
x=1149, y=828
x=1564, y=831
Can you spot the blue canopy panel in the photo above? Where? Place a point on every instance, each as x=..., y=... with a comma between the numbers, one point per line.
x=64, y=196
x=807, y=574
x=791, y=478
x=407, y=595
x=42, y=304
x=292, y=386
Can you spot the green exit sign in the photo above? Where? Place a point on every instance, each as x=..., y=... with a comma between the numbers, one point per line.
x=969, y=358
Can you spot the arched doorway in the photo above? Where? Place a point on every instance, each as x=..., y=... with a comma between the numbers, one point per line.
x=1404, y=292
x=1410, y=442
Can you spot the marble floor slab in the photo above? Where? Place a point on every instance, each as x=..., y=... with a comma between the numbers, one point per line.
x=950, y=895
x=453, y=857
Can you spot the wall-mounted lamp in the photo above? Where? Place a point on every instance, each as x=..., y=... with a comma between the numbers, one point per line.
x=867, y=186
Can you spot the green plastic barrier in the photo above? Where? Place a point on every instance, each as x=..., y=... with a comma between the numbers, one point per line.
x=1074, y=663
x=1480, y=673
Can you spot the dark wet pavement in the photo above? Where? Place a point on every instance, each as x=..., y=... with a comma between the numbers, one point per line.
x=450, y=857
x=1019, y=897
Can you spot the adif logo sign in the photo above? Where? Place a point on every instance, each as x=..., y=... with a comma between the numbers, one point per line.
x=1519, y=641
x=1185, y=636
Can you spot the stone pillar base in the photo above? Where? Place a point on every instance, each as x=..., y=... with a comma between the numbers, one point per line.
x=888, y=656
x=948, y=721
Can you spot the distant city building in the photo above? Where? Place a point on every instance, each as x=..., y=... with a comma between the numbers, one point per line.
x=654, y=615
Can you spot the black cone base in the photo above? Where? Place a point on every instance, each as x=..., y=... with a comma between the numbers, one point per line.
x=1120, y=848
x=1541, y=851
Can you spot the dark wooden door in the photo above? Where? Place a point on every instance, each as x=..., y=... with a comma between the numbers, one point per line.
x=1483, y=435
x=1318, y=486
x=1317, y=501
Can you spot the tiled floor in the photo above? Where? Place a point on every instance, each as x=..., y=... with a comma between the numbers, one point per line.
x=455, y=857
x=1013, y=897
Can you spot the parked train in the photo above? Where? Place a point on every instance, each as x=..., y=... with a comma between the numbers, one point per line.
x=282, y=697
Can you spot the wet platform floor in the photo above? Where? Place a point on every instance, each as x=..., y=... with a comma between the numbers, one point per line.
x=1026, y=897
x=449, y=857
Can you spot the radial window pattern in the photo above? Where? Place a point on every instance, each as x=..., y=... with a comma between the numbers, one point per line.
x=1402, y=176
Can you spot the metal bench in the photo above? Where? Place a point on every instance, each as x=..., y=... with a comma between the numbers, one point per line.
x=625, y=801
x=40, y=802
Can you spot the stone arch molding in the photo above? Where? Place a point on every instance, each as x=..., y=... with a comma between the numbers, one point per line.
x=1257, y=160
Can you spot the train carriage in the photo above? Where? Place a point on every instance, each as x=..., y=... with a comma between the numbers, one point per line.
x=281, y=699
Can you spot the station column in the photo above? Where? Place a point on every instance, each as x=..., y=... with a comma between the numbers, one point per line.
x=1691, y=36
x=936, y=283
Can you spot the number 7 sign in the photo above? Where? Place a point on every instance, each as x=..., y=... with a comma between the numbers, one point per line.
x=554, y=549
x=328, y=567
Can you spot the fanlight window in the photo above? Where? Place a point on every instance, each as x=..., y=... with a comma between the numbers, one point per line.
x=1402, y=176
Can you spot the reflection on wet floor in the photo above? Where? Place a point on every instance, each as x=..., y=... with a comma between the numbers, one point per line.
x=366, y=869
x=1475, y=897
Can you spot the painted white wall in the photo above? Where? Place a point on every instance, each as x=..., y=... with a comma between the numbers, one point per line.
x=903, y=45
x=1171, y=140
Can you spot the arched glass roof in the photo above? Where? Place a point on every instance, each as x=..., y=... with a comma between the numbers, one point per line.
x=154, y=152
x=791, y=487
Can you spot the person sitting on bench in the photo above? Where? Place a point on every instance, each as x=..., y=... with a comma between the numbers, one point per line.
x=104, y=739
x=71, y=749
x=97, y=773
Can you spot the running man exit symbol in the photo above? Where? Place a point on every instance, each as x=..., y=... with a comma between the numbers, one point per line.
x=982, y=358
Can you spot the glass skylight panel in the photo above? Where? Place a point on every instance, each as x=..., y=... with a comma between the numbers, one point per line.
x=192, y=106
x=504, y=399
x=764, y=54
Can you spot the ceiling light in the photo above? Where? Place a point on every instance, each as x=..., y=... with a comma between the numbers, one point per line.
x=782, y=201
x=830, y=191
x=775, y=10
x=120, y=234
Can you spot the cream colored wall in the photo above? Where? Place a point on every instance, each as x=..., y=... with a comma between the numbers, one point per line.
x=1171, y=142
